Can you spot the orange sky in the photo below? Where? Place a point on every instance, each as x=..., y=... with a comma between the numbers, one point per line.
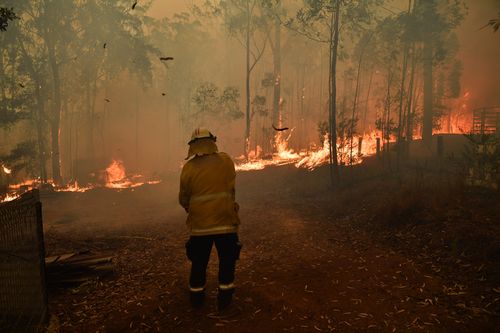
x=480, y=53
x=480, y=49
x=162, y=8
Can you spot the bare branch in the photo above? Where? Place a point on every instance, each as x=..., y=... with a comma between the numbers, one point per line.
x=261, y=52
x=306, y=34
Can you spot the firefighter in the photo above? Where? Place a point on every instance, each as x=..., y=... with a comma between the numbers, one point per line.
x=207, y=193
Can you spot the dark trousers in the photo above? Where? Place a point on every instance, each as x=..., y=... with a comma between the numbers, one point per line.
x=198, y=250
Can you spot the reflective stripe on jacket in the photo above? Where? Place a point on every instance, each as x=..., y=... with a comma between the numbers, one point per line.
x=207, y=193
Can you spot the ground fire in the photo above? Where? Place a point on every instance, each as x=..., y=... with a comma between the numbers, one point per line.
x=115, y=177
x=249, y=166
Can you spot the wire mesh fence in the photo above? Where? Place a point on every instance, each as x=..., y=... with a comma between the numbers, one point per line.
x=23, y=294
x=486, y=120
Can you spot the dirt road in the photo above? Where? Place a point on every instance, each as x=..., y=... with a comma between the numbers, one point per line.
x=303, y=268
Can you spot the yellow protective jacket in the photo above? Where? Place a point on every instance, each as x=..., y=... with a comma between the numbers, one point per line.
x=207, y=193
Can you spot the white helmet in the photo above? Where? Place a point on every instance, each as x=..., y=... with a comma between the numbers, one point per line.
x=201, y=133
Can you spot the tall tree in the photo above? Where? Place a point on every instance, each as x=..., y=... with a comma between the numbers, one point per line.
x=109, y=44
x=321, y=21
x=68, y=43
x=54, y=24
x=274, y=9
x=437, y=19
x=23, y=92
x=246, y=22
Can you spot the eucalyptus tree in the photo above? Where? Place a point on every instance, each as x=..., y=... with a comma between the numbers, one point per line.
x=276, y=12
x=210, y=101
x=247, y=22
x=334, y=22
x=55, y=24
x=111, y=39
x=436, y=19
x=389, y=52
x=360, y=53
x=393, y=37
x=24, y=90
x=66, y=50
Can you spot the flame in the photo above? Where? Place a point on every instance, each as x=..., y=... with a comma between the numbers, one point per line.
x=73, y=187
x=284, y=153
x=459, y=119
x=115, y=172
x=314, y=157
x=28, y=184
x=9, y=197
x=116, y=178
x=283, y=156
x=255, y=154
x=6, y=170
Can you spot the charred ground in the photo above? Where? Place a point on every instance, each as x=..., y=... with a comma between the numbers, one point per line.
x=411, y=251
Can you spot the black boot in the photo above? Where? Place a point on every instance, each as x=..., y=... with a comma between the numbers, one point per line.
x=224, y=298
x=197, y=299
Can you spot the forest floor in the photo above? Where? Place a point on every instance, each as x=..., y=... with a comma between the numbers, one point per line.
x=383, y=254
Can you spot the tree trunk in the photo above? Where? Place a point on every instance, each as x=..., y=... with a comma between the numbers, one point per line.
x=90, y=121
x=39, y=110
x=428, y=98
x=367, y=103
x=428, y=78
x=39, y=132
x=334, y=43
x=247, y=83
x=301, y=101
x=409, y=113
x=93, y=119
x=137, y=158
x=277, y=69
x=55, y=118
x=104, y=137
x=355, y=105
x=387, y=126
x=401, y=95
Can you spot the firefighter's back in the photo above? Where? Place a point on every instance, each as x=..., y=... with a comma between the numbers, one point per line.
x=211, y=180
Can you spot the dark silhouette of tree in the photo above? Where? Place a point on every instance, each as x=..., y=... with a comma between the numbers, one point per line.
x=6, y=15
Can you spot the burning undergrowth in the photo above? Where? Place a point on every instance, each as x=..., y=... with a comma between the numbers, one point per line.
x=349, y=153
x=114, y=176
